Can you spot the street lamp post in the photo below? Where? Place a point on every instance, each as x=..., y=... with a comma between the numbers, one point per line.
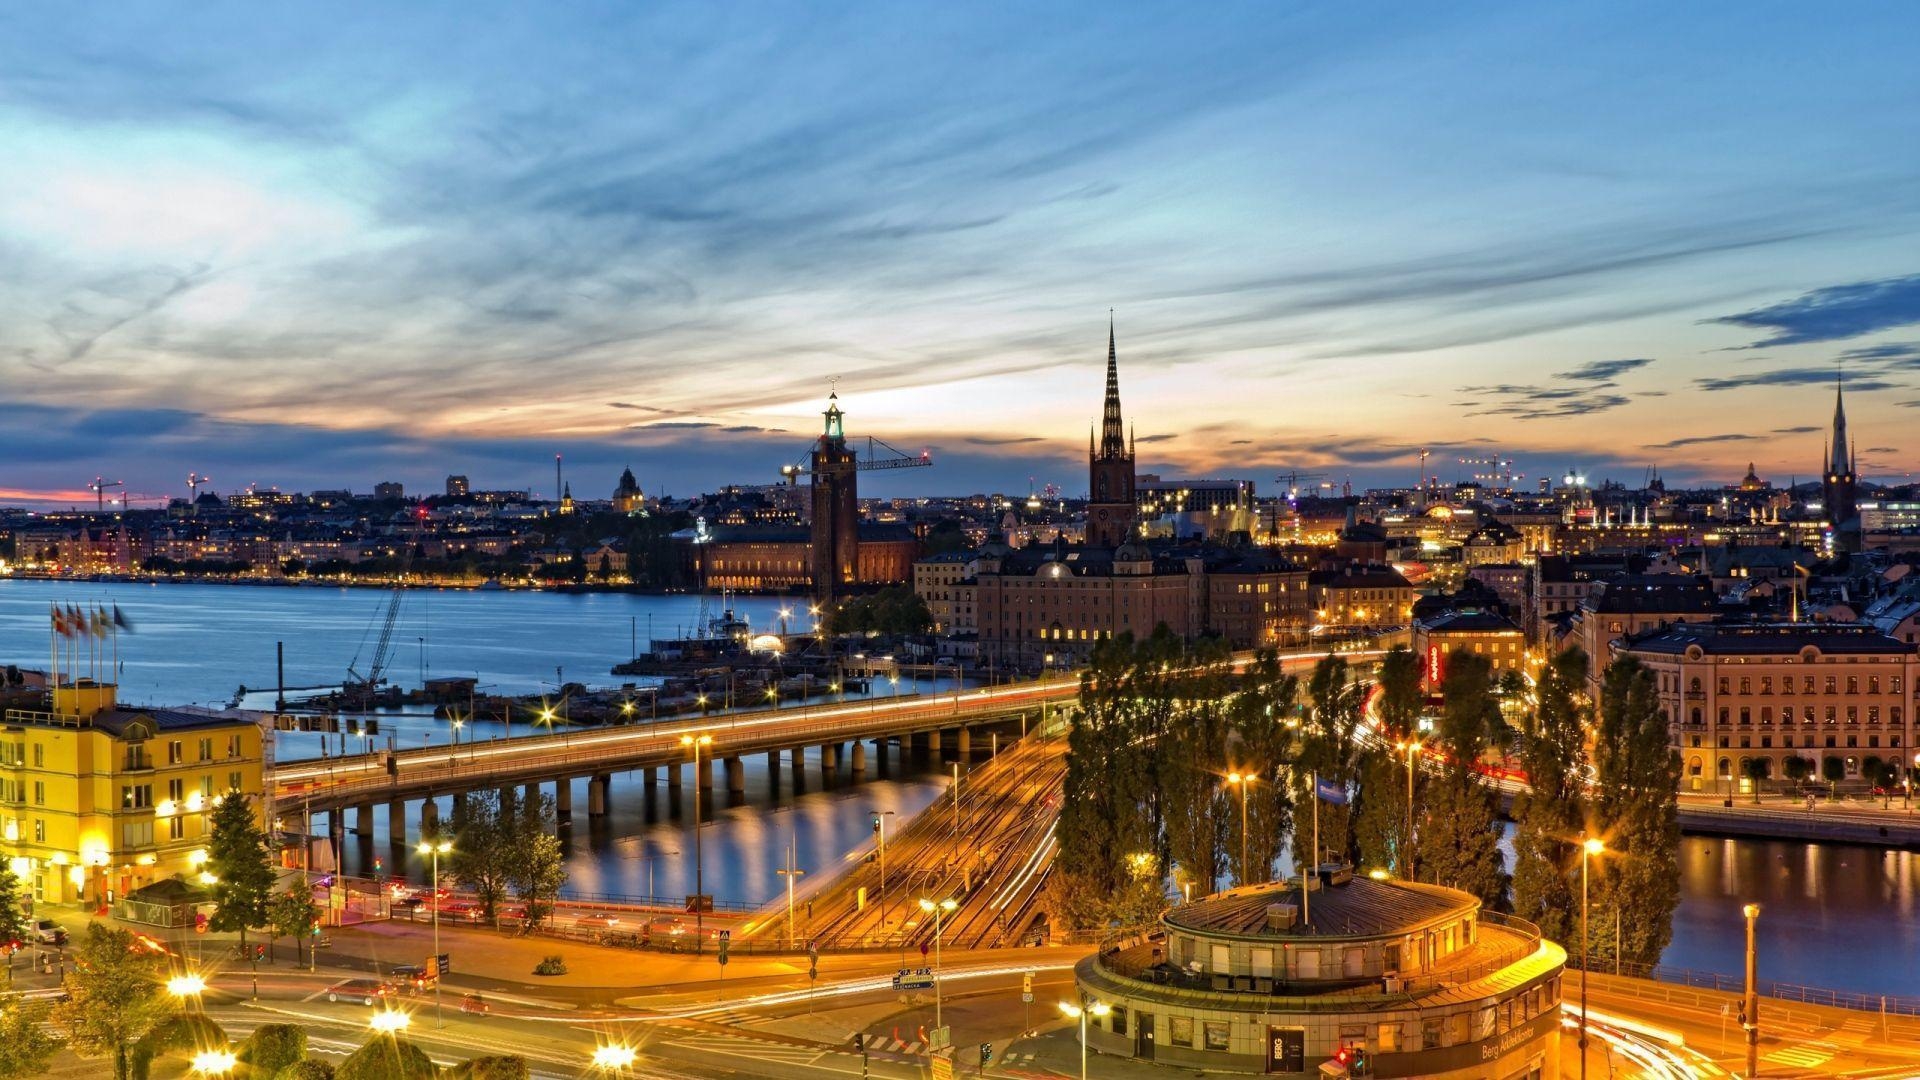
x=1591, y=846
x=880, y=831
x=1751, y=1021
x=694, y=743
x=1412, y=747
x=1243, y=781
x=936, y=910
x=1079, y=1012
x=791, y=872
x=434, y=850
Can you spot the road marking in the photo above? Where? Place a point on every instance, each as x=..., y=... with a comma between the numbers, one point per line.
x=1798, y=1057
x=752, y=1048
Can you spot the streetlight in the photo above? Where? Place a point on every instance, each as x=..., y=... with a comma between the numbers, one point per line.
x=614, y=1057
x=936, y=910
x=435, y=850
x=1751, y=1009
x=1097, y=1008
x=1243, y=781
x=390, y=1022
x=1412, y=747
x=1591, y=846
x=214, y=1062
x=694, y=743
x=880, y=830
x=187, y=986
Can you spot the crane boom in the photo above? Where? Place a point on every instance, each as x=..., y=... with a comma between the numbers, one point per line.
x=897, y=459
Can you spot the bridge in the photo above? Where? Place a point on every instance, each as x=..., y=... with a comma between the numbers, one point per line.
x=918, y=723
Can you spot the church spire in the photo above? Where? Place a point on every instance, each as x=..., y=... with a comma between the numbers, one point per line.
x=1838, y=460
x=1113, y=439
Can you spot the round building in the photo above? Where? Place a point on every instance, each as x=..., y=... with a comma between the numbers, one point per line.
x=1362, y=977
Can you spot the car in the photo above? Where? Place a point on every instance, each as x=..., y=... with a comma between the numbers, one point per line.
x=597, y=921
x=460, y=910
x=412, y=978
x=365, y=991
x=48, y=932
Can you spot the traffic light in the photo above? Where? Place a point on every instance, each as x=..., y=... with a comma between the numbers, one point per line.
x=199, y=922
x=876, y=824
x=259, y=953
x=986, y=1053
x=1362, y=1062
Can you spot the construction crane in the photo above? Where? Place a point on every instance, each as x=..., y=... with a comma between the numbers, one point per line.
x=194, y=480
x=99, y=488
x=873, y=461
x=1292, y=479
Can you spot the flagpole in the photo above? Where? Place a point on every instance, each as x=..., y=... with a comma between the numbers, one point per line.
x=53, y=648
x=1313, y=858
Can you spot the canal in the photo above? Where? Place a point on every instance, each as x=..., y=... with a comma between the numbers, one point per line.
x=1832, y=915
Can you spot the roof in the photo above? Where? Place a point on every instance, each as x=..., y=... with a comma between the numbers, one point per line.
x=1769, y=639
x=1469, y=621
x=1653, y=594
x=116, y=721
x=1362, y=907
x=1360, y=577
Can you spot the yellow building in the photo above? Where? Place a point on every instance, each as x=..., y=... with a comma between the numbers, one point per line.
x=97, y=800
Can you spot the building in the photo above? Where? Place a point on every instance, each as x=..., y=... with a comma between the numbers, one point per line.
x=834, y=558
x=1155, y=496
x=1258, y=600
x=1483, y=633
x=1632, y=604
x=1491, y=543
x=1360, y=595
x=1044, y=605
x=1735, y=693
x=457, y=487
x=945, y=582
x=1840, y=482
x=1111, y=509
x=390, y=489
x=627, y=496
x=1412, y=980
x=101, y=799
x=780, y=558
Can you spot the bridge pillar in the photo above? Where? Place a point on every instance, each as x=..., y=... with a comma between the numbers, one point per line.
x=736, y=776
x=532, y=796
x=598, y=788
x=829, y=758
x=703, y=774
x=397, y=823
x=459, y=805
x=650, y=776
x=563, y=801
x=963, y=744
x=859, y=758
x=673, y=777
x=429, y=818
x=363, y=821
x=337, y=829
x=917, y=744
x=773, y=767
x=508, y=806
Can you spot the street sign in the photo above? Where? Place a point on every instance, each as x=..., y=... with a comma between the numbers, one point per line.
x=942, y=1069
x=913, y=979
x=940, y=1038
x=1026, y=999
x=1026, y=983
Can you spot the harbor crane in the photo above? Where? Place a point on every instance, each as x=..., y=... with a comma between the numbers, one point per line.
x=99, y=488
x=896, y=459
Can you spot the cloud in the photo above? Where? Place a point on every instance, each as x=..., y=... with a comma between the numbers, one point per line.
x=1010, y=440
x=1891, y=351
x=1602, y=371
x=631, y=405
x=1696, y=440
x=1881, y=450
x=1834, y=313
x=1524, y=402
x=1820, y=376
x=1155, y=438
x=1802, y=429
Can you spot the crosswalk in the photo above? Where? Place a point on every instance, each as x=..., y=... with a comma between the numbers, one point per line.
x=1811, y=1056
x=757, y=1049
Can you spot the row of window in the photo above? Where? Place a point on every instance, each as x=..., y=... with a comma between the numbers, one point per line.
x=1830, y=684
x=1830, y=714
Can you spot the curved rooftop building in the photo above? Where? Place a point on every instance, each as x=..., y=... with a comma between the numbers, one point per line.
x=1409, y=980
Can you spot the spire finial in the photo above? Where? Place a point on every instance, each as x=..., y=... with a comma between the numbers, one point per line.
x=1113, y=442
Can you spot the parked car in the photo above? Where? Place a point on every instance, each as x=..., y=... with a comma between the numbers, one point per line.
x=48, y=932
x=365, y=991
x=412, y=978
x=460, y=911
x=599, y=920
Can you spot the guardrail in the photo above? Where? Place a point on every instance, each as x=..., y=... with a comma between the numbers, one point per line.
x=1719, y=982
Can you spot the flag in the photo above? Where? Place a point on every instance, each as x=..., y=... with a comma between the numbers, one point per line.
x=1329, y=791
x=60, y=622
x=120, y=621
x=99, y=621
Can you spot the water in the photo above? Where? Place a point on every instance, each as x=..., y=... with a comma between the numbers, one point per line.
x=1832, y=915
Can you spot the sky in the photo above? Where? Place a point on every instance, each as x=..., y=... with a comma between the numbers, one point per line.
x=322, y=245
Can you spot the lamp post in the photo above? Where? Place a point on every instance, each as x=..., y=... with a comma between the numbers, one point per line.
x=214, y=1062
x=1412, y=747
x=1591, y=846
x=1242, y=781
x=187, y=987
x=936, y=910
x=792, y=873
x=694, y=743
x=434, y=850
x=614, y=1058
x=1751, y=1021
x=1079, y=1012
x=880, y=831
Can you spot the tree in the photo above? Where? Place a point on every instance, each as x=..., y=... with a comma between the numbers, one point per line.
x=1552, y=815
x=273, y=1048
x=1104, y=813
x=1833, y=770
x=13, y=914
x=1328, y=750
x=1400, y=698
x=483, y=856
x=1797, y=768
x=537, y=875
x=1459, y=844
x=114, y=996
x=241, y=863
x=1264, y=715
x=1758, y=769
x=387, y=1057
x=1636, y=789
x=25, y=1046
x=293, y=914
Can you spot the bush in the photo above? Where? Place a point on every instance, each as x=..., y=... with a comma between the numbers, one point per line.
x=552, y=965
x=306, y=1070
x=274, y=1048
x=490, y=1068
x=386, y=1059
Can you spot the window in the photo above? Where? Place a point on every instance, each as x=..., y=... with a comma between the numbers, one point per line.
x=176, y=828
x=1389, y=1040
x=1766, y=684
x=1217, y=1035
x=1222, y=959
x=233, y=781
x=1746, y=685
x=136, y=834
x=233, y=746
x=1119, y=1019
x=1180, y=1030
x=39, y=793
x=1307, y=964
x=176, y=752
x=1430, y=1034
x=40, y=753
x=206, y=749
x=1262, y=963
x=39, y=831
x=1723, y=684
x=136, y=796
x=1853, y=684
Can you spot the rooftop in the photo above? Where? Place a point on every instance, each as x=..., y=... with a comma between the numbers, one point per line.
x=1361, y=908
x=1769, y=639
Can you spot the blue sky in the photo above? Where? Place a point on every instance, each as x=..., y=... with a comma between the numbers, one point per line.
x=320, y=245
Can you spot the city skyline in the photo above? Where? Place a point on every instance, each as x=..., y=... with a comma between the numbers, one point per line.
x=452, y=242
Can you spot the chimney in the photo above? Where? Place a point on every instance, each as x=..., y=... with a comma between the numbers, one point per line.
x=1282, y=916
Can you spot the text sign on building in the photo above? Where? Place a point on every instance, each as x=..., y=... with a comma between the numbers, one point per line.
x=1286, y=1050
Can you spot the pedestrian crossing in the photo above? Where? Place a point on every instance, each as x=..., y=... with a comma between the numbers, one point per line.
x=758, y=1049
x=889, y=1044
x=1800, y=1057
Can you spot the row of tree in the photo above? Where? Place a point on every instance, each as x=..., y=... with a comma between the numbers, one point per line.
x=1169, y=748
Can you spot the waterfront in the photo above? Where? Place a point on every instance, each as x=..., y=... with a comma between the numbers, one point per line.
x=1833, y=915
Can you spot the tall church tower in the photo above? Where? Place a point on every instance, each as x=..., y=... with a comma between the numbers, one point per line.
x=1110, y=498
x=836, y=507
x=1839, y=480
